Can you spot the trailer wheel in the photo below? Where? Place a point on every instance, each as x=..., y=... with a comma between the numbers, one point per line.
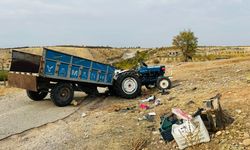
x=37, y=96
x=163, y=83
x=128, y=85
x=62, y=94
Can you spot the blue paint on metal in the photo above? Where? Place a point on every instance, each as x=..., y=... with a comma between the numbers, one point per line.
x=50, y=67
x=58, y=56
x=93, y=75
x=81, y=62
x=74, y=72
x=98, y=66
x=85, y=74
x=63, y=70
x=149, y=75
x=101, y=77
x=67, y=67
x=109, y=78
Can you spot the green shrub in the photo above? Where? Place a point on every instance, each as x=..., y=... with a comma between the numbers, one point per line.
x=3, y=75
x=132, y=62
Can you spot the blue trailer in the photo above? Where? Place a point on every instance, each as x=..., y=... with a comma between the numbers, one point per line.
x=57, y=73
x=61, y=74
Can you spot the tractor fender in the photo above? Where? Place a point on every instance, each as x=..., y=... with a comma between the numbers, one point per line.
x=119, y=72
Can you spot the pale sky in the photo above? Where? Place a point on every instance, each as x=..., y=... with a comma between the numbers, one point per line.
x=118, y=23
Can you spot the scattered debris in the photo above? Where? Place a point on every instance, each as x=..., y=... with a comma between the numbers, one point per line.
x=166, y=126
x=190, y=132
x=74, y=102
x=126, y=109
x=151, y=98
x=164, y=92
x=157, y=102
x=195, y=88
x=149, y=117
x=144, y=106
x=181, y=114
x=152, y=113
x=218, y=133
x=238, y=111
x=212, y=115
x=84, y=114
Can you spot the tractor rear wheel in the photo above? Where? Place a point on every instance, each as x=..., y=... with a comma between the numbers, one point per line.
x=62, y=94
x=128, y=85
x=163, y=83
x=37, y=96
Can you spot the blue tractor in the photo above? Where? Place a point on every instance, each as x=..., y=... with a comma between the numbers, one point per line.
x=127, y=84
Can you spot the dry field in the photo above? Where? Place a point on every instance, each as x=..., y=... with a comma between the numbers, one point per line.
x=109, y=124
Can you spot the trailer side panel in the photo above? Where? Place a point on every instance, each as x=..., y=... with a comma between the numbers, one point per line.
x=58, y=65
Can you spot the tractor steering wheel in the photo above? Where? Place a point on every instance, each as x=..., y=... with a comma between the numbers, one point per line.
x=143, y=64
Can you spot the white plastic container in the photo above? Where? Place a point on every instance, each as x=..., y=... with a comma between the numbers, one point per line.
x=190, y=133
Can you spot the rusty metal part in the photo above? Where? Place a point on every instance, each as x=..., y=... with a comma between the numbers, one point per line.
x=213, y=115
x=23, y=81
x=25, y=62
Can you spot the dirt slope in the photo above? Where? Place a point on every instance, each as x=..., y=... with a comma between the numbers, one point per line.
x=110, y=125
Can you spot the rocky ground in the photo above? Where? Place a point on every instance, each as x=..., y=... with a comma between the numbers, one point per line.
x=108, y=122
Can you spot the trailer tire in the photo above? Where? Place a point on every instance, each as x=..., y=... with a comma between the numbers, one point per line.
x=163, y=83
x=128, y=85
x=62, y=94
x=37, y=96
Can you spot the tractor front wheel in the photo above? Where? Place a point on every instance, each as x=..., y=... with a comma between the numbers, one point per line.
x=163, y=83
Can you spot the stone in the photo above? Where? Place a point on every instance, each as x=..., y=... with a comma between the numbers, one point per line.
x=238, y=111
x=161, y=141
x=246, y=142
x=246, y=135
x=155, y=132
x=74, y=102
x=218, y=133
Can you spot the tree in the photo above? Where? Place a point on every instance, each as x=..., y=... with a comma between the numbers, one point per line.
x=187, y=42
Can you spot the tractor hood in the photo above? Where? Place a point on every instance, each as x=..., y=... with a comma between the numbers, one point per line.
x=152, y=69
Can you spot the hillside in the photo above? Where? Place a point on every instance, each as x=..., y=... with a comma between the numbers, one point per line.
x=113, y=123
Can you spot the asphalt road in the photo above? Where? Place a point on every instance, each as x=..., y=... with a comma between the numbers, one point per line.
x=18, y=113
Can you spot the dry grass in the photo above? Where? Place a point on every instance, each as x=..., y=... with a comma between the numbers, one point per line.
x=139, y=143
x=7, y=90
